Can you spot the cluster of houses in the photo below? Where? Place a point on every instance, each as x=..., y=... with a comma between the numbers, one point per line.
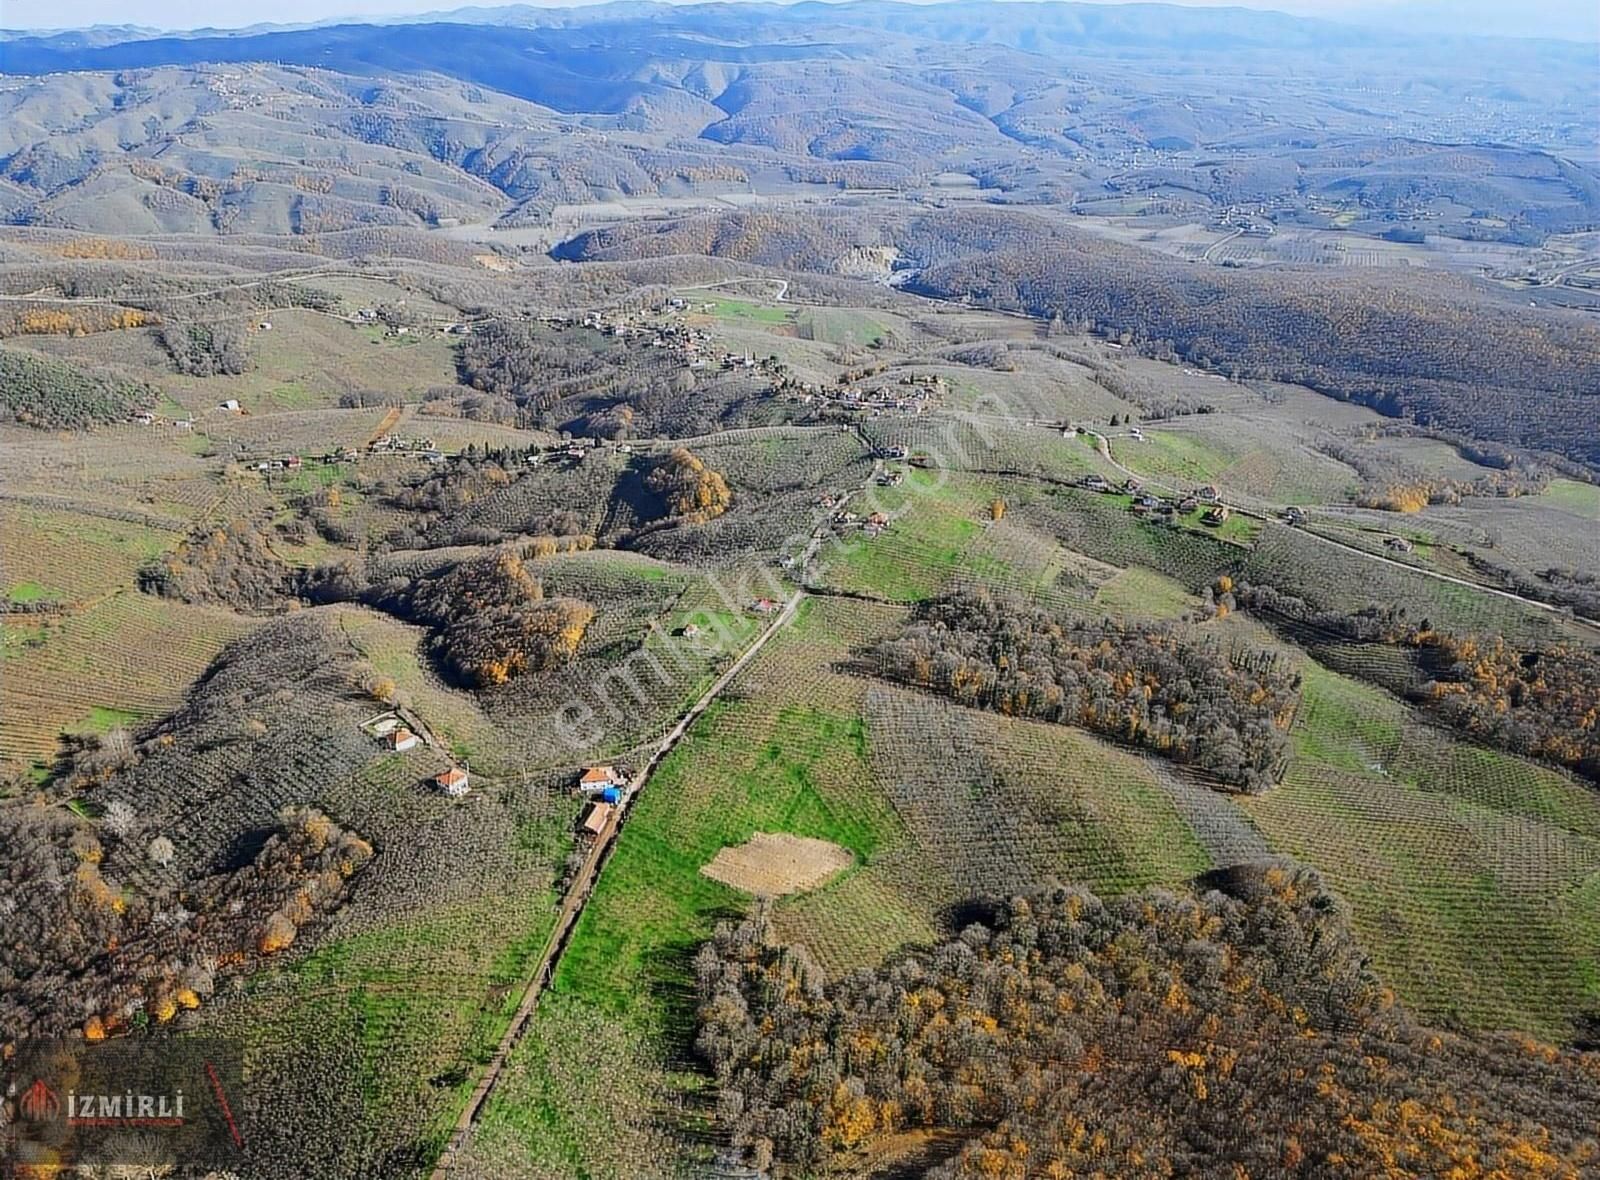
x=690, y=344
x=874, y=402
x=394, y=444
x=272, y=463
x=388, y=444
x=1165, y=508
x=844, y=521
x=1253, y=221
x=912, y=394
x=394, y=735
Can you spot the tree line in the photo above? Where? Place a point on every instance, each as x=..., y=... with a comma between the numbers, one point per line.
x=1143, y=684
x=1539, y=702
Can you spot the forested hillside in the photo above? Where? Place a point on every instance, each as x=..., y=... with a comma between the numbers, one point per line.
x=1439, y=350
x=1237, y=1032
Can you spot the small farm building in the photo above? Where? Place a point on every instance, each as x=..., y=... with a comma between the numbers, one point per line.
x=452, y=782
x=597, y=817
x=598, y=778
x=401, y=739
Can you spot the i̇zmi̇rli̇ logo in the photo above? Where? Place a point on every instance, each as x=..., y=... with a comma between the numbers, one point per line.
x=39, y=1104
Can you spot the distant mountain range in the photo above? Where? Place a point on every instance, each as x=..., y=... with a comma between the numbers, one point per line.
x=1155, y=109
x=1427, y=19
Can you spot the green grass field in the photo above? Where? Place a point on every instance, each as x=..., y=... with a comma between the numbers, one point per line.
x=1142, y=593
x=1184, y=458
x=934, y=517
x=1469, y=875
x=1238, y=528
x=833, y=325
x=25, y=593
x=743, y=309
x=101, y=719
x=1569, y=495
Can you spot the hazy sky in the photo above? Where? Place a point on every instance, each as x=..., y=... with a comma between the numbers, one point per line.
x=1528, y=18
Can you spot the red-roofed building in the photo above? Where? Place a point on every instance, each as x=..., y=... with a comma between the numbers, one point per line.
x=597, y=778
x=452, y=782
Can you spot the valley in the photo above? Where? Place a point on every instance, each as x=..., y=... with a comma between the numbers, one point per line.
x=879, y=592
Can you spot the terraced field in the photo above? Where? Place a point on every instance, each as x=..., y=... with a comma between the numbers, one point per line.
x=127, y=658
x=1471, y=874
x=63, y=558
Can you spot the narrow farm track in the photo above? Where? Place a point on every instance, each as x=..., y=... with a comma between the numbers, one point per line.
x=781, y=285
x=1206, y=257
x=389, y=422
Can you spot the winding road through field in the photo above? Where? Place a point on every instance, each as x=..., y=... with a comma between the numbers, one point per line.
x=781, y=284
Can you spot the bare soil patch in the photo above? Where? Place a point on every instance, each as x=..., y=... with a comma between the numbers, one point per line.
x=773, y=863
